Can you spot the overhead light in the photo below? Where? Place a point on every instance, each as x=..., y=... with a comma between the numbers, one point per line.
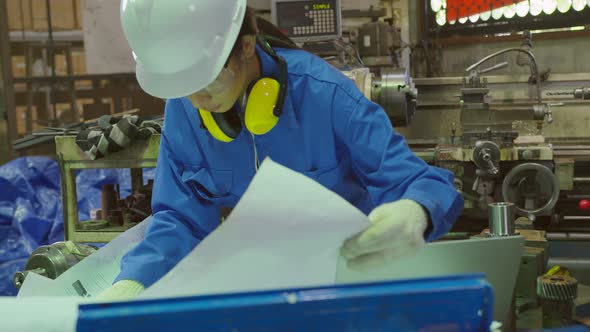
x=522, y=8
x=463, y=20
x=578, y=5
x=536, y=7
x=474, y=18
x=485, y=15
x=441, y=17
x=497, y=13
x=549, y=6
x=510, y=11
x=564, y=5
x=435, y=5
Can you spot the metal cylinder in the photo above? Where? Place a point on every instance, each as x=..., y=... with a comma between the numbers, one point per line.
x=53, y=260
x=501, y=218
x=108, y=199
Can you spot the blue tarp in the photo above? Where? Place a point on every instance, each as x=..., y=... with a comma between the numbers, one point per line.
x=31, y=207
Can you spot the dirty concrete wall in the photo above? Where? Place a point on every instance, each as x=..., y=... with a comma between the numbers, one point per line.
x=570, y=55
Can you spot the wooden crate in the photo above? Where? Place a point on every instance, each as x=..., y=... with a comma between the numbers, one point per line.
x=31, y=15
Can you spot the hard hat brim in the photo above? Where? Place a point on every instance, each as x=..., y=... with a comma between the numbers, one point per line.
x=175, y=85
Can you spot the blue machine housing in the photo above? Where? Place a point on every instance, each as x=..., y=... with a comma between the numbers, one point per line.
x=458, y=303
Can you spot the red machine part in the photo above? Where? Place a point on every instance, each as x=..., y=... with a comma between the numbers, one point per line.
x=584, y=205
x=457, y=9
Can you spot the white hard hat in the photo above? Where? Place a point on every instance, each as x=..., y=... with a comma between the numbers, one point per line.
x=180, y=46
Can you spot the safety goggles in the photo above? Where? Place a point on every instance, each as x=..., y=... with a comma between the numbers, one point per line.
x=222, y=82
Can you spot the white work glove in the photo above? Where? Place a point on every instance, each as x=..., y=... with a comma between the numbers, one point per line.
x=396, y=230
x=121, y=290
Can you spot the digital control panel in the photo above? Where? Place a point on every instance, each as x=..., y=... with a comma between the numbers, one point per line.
x=304, y=21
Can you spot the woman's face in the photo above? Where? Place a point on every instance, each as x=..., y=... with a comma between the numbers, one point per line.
x=221, y=95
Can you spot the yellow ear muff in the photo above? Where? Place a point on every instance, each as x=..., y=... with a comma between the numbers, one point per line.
x=259, y=114
x=213, y=127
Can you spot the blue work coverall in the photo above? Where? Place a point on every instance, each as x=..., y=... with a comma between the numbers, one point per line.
x=328, y=131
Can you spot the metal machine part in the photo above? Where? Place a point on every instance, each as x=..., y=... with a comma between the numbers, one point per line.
x=477, y=112
x=533, y=188
x=501, y=219
x=474, y=93
x=541, y=111
x=557, y=295
x=376, y=42
x=486, y=156
x=582, y=93
x=395, y=92
x=53, y=260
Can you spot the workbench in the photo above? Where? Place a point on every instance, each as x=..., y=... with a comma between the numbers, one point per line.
x=141, y=154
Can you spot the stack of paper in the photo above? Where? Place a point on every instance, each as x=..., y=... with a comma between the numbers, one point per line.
x=285, y=232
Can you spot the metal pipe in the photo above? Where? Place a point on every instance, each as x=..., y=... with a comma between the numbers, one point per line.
x=576, y=218
x=571, y=147
x=501, y=218
x=573, y=196
x=533, y=66
x=581, y=179
x=555, y=236
x=573, y=153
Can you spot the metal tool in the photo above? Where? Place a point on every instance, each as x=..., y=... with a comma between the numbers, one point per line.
x=53, y=131
x=53, y=260
x=501, y=219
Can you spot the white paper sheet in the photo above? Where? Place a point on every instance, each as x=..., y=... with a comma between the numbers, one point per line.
x=35, y=285
x=50, y=305
x=93, y=274
x=498, y=258
x=285, y=232
x=39, y=314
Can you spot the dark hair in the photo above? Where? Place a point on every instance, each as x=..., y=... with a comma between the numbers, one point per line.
x=254, y=25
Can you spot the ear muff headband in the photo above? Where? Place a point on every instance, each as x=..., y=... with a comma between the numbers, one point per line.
x=278, y=109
